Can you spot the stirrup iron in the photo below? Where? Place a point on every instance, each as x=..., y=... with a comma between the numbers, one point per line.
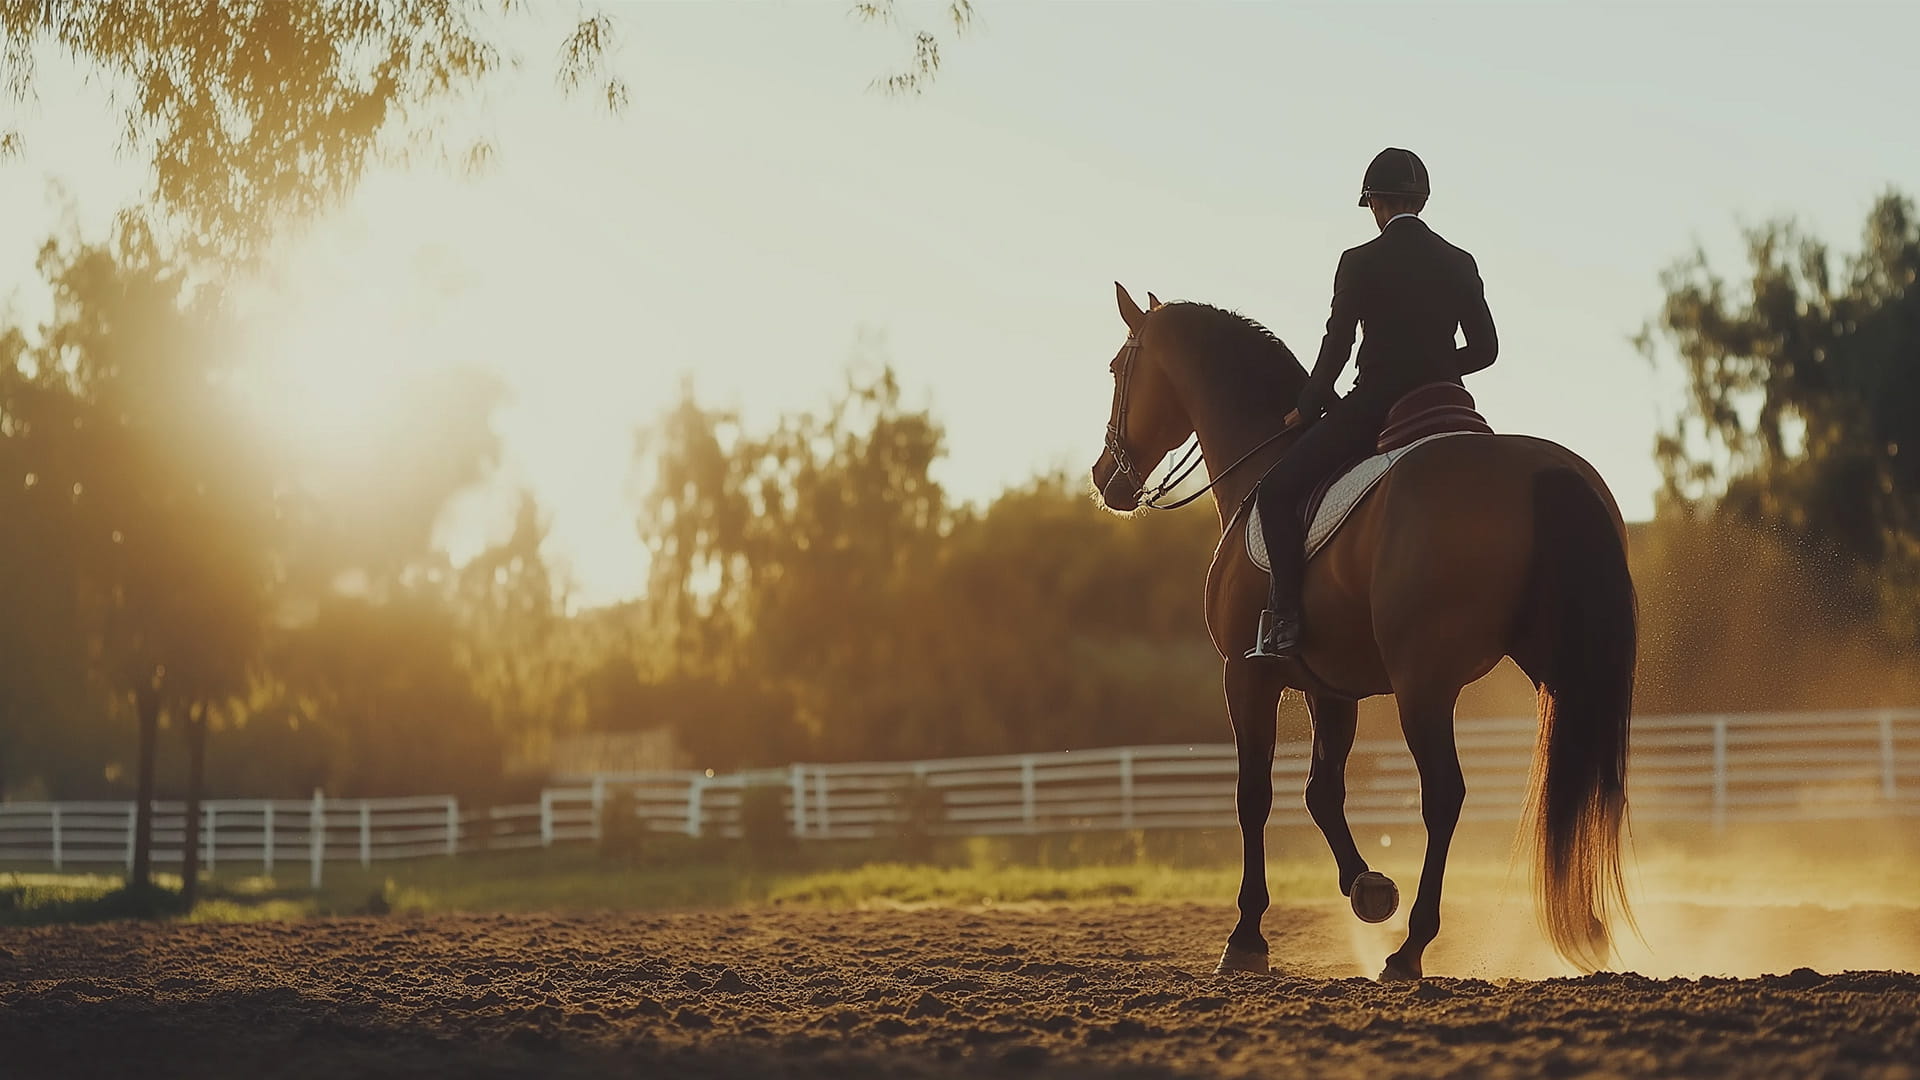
x=1265, y=645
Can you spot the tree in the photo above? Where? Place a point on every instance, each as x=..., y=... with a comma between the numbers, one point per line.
x=1803, y=407
x=47, y=694
x=254, y=114
x=781, y=558
x=925, y=63
x=514, y=640
x=171, y=507
x=382, y=683
x=826, y=600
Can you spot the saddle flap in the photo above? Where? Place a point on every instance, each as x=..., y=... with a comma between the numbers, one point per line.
x=1430, y=412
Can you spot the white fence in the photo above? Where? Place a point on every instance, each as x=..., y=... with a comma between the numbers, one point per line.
x=1710, y=770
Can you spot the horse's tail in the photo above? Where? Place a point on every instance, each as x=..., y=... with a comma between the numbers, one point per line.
x=1582, y=662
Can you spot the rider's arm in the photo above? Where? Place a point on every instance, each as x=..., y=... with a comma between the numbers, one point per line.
x=1337, y=346
x=1476, y=323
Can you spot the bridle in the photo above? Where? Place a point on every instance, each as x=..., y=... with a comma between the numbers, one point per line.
x=1190, y=459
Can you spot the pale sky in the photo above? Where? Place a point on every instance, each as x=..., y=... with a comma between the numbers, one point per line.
x=756, y=211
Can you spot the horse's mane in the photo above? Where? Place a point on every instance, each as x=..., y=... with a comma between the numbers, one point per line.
x=1241, y=345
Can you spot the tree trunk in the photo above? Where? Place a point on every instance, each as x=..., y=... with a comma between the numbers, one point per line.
x=196, y=776
x=4, y=727
x=146, y=702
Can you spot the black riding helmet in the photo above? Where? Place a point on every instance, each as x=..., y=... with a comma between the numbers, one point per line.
x=1395, y=172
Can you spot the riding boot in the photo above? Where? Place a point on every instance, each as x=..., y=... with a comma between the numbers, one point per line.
x=1280, y=627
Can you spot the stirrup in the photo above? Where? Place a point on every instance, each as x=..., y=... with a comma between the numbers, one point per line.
x=1278, y=639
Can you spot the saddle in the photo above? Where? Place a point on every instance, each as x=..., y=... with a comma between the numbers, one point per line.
x=1434, y=411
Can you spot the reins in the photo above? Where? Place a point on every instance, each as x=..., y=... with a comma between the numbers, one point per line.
x=1150, y=501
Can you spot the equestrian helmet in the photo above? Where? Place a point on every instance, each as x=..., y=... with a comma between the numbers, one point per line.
x=1395, y=172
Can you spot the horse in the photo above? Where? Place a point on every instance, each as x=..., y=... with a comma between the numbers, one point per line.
x=1474, y=547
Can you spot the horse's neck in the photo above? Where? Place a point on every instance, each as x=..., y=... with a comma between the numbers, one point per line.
x=1230, y=423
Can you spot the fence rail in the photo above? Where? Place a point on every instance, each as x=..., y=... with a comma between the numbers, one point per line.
x=1708, y=769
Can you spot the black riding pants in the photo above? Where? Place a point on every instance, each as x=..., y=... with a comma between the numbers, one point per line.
x=1349, y=431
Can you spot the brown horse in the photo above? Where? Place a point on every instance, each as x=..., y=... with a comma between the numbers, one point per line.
x=1473, y=548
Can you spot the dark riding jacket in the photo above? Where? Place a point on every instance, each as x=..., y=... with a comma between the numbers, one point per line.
x=1411, y=289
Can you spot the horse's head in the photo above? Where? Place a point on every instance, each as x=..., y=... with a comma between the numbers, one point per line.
x=1147, y=420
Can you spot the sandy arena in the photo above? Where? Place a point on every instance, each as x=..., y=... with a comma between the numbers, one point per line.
x=1106, y=991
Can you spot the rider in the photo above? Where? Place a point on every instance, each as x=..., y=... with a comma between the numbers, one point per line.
x=1410, y=288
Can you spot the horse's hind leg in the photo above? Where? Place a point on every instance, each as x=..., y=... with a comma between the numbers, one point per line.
x=1426, y=718
x=1253, y=695
x=1334, y=720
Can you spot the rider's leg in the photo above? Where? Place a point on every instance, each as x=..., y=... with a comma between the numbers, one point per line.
x=1346, y=433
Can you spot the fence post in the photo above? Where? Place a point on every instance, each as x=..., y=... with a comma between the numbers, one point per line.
x=1026, y=791
x=316, y=838
x=599, y=807
x=825, y=826
x=366, y=835
x=1719, y=773
x=56, y=836
x=694, y=788
x=546, y=818
x=797, y=781
x=1126, y=788
x=453, y=825
x=213, y=845
x=266, y=828
x=1888, y=782
x=133, y=811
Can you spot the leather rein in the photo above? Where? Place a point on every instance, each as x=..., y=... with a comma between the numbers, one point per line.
x=1147, y=495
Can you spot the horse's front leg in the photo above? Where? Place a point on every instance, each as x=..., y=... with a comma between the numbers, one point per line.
x=1373, y=895
x=1253, y=696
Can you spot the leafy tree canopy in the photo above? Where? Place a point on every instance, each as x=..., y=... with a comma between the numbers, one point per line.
x=1803, y=403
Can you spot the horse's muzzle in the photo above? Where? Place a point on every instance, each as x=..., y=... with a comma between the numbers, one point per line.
x=1116, y=493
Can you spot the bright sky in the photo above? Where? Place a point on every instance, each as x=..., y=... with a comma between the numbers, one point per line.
x=756, y=212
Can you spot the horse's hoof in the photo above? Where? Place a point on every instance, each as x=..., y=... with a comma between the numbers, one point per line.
x=1375, y=897
x=1397, y=971
x=1246, y=960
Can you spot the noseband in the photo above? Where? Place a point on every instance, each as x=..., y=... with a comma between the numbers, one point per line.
x=1149, y=496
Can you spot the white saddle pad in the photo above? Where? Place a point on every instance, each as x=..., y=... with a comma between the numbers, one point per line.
x=1342, y=497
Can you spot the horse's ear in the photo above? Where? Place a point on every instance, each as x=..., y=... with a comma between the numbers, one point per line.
x=1152, y=301
x=1129, y=310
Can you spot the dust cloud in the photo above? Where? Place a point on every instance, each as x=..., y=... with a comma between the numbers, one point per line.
x=1753, y=901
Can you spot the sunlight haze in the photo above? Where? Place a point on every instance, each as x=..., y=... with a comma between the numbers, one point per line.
x=757, y=218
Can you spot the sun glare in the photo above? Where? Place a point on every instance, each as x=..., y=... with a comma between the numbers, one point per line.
x=327, y=371
x=333, y=336
x=377, y=312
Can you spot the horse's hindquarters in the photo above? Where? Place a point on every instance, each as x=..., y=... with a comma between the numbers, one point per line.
x=1428, y=582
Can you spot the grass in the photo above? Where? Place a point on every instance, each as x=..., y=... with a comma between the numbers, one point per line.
x=1074, y=869
x=677, y=874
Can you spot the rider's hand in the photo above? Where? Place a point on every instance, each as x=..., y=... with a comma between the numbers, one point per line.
x=1315, y=399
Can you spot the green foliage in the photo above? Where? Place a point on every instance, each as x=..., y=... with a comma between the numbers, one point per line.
x=150, y=540
x=384, y=682
x=174, y=511
x=256, y=113
x=161, y=547
x=925, y=64
x=154, y=517
x=1803, y=407
x=53, y=899
x=819, y=571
